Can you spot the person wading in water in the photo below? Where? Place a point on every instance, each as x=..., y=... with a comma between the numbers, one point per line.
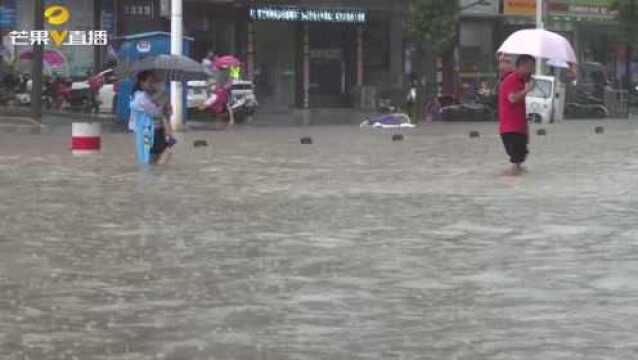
x=513, y=125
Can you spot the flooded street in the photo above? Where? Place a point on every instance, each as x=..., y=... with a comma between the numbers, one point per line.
x=354, y=247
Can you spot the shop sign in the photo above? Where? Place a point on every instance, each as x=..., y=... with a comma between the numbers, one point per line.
x=474, y=7
x=519, y=7
x=139, y=8
x=291, y=13
x=557, y=9
x=581, y=9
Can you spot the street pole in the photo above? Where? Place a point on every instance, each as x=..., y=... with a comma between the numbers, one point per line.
x=36, y=65
x=177, y=29
x=539, y=25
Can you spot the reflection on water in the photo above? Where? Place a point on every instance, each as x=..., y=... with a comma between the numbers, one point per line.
x=257, y=247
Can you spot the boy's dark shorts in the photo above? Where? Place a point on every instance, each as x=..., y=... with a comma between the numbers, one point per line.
x=516, y=146
x=159, y=142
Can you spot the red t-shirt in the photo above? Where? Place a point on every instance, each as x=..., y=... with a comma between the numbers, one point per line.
x=504, y=74
x=512, y=117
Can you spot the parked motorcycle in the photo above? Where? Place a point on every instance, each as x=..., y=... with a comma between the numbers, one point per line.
x=23, y=93
x=586, y=106
x=477, y=109
x=585, y=111
x=242, y=100
x=237, y=96
x=632, y=97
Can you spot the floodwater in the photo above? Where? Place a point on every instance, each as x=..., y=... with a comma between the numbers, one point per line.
x=354, y=247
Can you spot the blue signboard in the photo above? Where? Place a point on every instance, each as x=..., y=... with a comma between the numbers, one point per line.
x=8, y=14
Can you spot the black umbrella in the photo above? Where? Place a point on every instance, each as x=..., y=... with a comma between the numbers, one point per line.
x=169, y=67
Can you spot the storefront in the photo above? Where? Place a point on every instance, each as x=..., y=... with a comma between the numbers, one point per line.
x=306, y=54
x=588, y=24
x=477, y=42
x=306, y=57
x=320, y=56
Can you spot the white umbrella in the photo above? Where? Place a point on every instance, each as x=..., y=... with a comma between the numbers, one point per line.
x=558, y=63
x=540, y=44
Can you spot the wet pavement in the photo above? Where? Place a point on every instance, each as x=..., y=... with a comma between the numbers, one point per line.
x=354, y=247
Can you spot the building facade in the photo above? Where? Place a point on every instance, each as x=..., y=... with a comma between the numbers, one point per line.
x=588, y=24
x=305, y=53
x=300, y=53
x=477, y=42
x=316, y=54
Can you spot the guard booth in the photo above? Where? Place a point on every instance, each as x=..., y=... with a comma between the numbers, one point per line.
x=138, y=46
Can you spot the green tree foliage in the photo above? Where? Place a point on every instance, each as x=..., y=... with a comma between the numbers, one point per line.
x=434, y=22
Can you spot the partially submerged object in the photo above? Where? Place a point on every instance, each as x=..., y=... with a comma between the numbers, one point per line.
x=200, y=143
x=389, y=121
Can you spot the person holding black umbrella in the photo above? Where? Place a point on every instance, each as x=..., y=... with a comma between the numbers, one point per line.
x=148, y=99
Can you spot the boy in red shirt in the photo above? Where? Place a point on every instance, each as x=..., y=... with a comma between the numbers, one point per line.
x=512, y=115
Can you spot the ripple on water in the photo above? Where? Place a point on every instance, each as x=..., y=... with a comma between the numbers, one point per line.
x=351, y=249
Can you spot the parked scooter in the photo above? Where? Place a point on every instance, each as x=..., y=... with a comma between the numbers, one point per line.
x=586, y=106
x=243, y=101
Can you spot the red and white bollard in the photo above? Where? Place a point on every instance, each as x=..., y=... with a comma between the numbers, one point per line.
x=85, y=138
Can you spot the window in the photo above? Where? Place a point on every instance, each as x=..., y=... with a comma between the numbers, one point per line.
x=542, y=89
